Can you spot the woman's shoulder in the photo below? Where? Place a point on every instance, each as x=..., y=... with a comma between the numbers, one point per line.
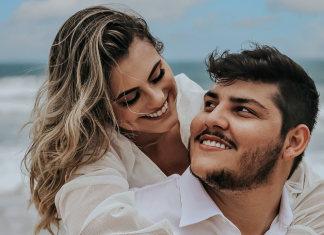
x=189, y=103
x=302, y=183
x=184, y=83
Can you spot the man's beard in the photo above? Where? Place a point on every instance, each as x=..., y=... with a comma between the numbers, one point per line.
x=255, y=169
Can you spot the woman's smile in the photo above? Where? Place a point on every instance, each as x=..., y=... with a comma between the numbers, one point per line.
x=160, y=113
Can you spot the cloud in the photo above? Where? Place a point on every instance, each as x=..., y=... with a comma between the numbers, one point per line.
x=29, y=33
x=298, y=6
x=154, y=10
x=250, y=22
x=206, y=22
x=309, y=43
x=311, y=40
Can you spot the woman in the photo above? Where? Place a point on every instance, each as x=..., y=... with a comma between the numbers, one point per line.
x=106, y=76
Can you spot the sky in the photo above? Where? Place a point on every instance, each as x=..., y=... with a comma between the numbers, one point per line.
x=190, y=29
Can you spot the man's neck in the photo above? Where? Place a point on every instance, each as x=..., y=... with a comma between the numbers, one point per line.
x=253, y=211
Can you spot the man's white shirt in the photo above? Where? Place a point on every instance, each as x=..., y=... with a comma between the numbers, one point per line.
x=184, y=202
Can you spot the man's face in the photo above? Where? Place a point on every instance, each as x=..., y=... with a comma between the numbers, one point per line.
x=235, y=141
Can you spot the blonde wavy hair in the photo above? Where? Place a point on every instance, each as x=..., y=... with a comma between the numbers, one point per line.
x=73, y=108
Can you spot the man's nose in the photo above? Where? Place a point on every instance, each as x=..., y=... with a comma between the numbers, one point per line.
x=218, y=118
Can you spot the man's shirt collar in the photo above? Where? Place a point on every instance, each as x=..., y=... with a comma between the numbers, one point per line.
x=285, y=214
x=198, y=206
x=196, y=203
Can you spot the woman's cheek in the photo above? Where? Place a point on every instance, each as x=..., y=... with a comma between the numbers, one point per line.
x=197, y=125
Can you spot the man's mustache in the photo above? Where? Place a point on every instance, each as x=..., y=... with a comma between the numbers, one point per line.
x=219, y=135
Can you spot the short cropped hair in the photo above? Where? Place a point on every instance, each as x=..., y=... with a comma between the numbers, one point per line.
x=298, y=99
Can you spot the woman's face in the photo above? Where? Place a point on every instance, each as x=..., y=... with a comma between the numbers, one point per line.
x=144, y=91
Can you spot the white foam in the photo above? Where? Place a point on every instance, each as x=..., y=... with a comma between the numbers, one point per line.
x=17, y=94
x=10, y=174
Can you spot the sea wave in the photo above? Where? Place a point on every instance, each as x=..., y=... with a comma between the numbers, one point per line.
x=17, y=94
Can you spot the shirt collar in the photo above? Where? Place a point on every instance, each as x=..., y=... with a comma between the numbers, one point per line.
x=198, y=206
x=285, y=214
x=196, y=203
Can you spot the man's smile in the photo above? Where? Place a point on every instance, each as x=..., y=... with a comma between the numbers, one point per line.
x=214, y=141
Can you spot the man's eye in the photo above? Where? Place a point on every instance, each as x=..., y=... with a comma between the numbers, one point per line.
x=209, y=104
x=245, y=112
x=243, y=109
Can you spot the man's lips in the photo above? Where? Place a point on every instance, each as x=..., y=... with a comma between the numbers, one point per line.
x=215, y=139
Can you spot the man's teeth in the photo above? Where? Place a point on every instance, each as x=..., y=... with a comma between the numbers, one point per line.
x=160, y=112
x=215, y=144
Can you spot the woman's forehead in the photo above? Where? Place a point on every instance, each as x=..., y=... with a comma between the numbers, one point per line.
x=135, y=68
x=141, y=58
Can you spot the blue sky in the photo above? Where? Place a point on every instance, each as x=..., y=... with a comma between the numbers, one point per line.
x=190, y=29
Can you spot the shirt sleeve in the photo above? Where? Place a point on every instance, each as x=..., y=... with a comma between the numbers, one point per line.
x=99, y=202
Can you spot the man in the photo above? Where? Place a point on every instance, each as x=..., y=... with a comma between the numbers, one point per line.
x=244, y=146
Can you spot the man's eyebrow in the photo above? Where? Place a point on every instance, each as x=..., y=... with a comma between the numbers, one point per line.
x=124, y=93
x=153, y=69
x=211, y=94
x=246, y=101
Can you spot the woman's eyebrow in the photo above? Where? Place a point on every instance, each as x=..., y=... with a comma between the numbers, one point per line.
x=124, y=93
x=153, y=69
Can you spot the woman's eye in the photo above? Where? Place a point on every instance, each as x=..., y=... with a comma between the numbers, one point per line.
x=131, y=100
x=158, y=78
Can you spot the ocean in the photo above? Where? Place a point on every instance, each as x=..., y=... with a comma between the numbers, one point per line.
x=18, y=86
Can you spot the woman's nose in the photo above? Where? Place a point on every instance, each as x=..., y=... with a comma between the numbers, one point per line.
x=218, y=118
x=156, y=97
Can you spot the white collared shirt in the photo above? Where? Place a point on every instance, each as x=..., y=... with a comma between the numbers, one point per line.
x=184, y=202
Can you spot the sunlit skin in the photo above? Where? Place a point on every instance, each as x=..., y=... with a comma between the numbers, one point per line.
x=141, y=84
x=245, y=114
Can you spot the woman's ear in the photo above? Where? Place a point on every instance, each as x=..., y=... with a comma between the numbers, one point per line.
x=296, y=142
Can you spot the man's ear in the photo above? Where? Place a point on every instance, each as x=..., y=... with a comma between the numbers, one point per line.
x=296, y=142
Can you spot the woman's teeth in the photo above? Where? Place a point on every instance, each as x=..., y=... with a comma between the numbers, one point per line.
x=215, y=144
x=160, y=112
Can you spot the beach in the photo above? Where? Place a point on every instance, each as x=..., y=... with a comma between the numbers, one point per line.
x=17, y=95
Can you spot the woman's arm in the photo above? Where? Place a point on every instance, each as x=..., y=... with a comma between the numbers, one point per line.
x=99, y=202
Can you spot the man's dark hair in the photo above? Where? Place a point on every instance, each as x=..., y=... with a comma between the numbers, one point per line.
x=298, y=99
